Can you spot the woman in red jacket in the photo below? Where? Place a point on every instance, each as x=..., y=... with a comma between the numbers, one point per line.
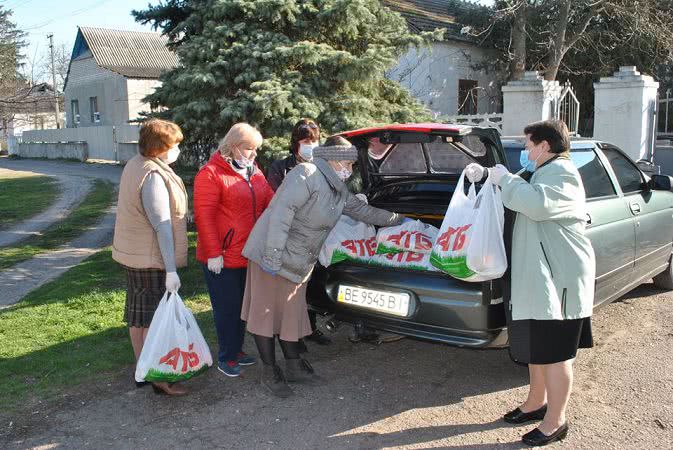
x=230, y=193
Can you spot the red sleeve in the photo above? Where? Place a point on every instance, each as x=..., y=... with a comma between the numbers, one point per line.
x=206, y=201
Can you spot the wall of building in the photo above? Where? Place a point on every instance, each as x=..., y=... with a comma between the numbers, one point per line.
x=432, y=76
x=137, y=90
x=85, y=80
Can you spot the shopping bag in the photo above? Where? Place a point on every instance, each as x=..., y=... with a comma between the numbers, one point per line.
x=412, y=236
x=349, y=240
x=174, y=349
x=404, y=260
x=470, y=243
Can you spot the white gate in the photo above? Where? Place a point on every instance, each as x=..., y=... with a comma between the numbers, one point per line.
x=567, y=108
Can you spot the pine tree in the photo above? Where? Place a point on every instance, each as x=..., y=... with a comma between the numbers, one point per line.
x=272, y=62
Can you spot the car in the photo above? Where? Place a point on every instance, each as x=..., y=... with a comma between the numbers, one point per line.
x=630, y=224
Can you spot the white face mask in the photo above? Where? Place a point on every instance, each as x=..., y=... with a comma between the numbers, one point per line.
x=244, y=162
x=306, y=151
x=344, y=173
x=172, y=154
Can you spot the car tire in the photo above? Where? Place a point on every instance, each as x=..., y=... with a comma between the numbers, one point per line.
x=665, y=279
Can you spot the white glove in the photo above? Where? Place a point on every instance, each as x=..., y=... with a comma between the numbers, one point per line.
x=362, y=197
x=474, y=172
x=215, y=264
x=497, y=173
x=172, y=282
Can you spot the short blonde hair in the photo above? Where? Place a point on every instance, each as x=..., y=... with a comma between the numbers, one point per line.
x=235, y=135
x=157, y=136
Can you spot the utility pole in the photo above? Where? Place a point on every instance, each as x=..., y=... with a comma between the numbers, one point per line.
x=53, y=77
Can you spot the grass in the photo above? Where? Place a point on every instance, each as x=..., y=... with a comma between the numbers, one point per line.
x=70, y=331
x=85, y=215
x=36, y=193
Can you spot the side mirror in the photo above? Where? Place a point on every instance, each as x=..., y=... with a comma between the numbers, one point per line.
x=661, y=183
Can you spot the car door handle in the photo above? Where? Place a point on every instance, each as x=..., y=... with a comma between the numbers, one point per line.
x=588, y=219
x=635, y=207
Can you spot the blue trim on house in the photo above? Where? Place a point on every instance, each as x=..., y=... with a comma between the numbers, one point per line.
x=80, y=45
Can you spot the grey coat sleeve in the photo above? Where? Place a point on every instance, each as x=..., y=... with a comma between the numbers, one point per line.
x=156, y=203
x=292, y=195
x=359, y=210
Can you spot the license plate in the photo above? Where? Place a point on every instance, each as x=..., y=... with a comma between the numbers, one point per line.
x=389, y=302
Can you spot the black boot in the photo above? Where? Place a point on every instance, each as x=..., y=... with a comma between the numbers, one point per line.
x=300, y=371
x=272, y=379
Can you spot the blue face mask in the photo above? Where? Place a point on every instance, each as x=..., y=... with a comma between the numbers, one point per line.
x=525, y=162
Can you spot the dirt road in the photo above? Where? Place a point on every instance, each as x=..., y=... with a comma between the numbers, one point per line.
x=407, y=394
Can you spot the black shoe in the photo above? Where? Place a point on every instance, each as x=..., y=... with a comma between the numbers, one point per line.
x=538, y=438
x=319, y=338
x=518, y=416
x=140, y=384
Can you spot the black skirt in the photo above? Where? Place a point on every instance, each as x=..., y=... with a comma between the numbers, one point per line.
x=144, y=289
x=548, y=341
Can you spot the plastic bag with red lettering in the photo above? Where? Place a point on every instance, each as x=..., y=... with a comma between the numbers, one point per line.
x=349, y=240
x=470, y=243
x=174, y=349
x=404, y=260
x=412, y=236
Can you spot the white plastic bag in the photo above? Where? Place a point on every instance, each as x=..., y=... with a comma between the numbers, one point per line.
x=349, y=240
x=470, y=243
x=412, y=236
x=404, y=260
x=174, y=349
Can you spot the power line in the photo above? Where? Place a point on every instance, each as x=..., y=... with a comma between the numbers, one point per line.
x=70, y=14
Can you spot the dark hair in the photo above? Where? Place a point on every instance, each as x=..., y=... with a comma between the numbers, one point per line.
x=336, y=140
x=555, y=132
x=304, y=129
x=156, y=136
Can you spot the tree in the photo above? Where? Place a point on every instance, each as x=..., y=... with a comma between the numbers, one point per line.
x=12, y=85
x=271, y=62
x=574, y=37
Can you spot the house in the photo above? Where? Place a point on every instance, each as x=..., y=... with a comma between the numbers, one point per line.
x=446, y=78
x=110, y=73
x=30, y=108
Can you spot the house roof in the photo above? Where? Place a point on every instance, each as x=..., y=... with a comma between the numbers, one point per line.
x=133, y=54
x=427, y=15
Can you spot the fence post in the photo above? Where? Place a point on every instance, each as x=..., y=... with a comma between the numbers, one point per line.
x=114, y=143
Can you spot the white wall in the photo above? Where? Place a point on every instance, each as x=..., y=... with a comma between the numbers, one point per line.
x=86, y=79
x=432, y=76
x=137, y=90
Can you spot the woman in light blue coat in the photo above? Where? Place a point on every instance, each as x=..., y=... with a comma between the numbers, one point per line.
x=552, y=274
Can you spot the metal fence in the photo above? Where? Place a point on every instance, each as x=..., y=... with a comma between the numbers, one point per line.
x=665, y=115
x=102, y=142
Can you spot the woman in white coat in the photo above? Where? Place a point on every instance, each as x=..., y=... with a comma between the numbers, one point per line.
x=552, y=274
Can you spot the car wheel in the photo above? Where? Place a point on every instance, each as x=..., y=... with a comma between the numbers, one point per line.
x=665, y=279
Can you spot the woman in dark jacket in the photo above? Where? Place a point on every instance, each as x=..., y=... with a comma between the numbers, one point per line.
x=230, y=194
x=283, y=248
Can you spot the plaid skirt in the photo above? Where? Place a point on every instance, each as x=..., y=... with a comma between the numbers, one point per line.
x=144, y=289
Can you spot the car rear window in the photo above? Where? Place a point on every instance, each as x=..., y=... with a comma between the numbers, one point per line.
x=444, y=156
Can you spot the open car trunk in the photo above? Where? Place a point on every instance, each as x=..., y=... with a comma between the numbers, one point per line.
x=416, y=176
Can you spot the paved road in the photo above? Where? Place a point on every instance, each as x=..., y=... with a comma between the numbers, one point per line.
x=19, y=280
x=406, y=394
x=73, y=190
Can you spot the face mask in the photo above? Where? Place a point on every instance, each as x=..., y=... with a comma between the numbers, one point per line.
x=527, y=163
x=306, y=151
x=376, y=156
x=344, y=173
x=172, y=154
x=244, y=162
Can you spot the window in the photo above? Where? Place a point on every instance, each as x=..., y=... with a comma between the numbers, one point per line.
x=93, y=108
x=404, y=158
x=628, y=175
x=594, y=176
x=74, y=110
x=467, y=97
x=446, y=158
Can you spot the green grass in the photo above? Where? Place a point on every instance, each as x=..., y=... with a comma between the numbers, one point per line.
x=85, y=215
x=70, y=331
x=23, y=197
